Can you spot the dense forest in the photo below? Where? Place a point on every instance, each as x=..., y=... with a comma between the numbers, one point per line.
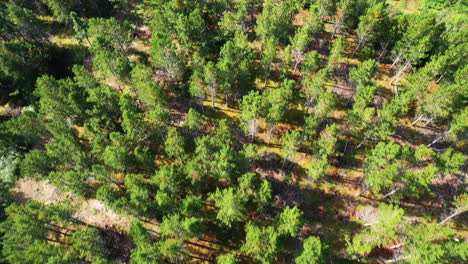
x=233, y=131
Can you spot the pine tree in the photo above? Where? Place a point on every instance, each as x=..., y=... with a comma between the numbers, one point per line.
x=250, y=106
x=311, y=251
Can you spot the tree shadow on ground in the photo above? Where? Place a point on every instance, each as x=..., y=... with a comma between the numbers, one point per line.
x=142, y=57
x=118, y=246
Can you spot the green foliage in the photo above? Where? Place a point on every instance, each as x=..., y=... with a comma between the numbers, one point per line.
x=261, y=243
x=269, y=55
x=174, y=145
x=290, y=221
x=290, y=144
x=318, y=168
x=381, y=166
x=171, y=182
x=28, y=230
x=21, y=63
x=381, y=230
x=80, y=26
x=115, y=156
x=20, y=23
x=181, y=228
x=148, y=91
x=231, y=206
x=226, y=259
x=61, y=100
x=264, y=196
x=459, y=125
x=450, y=161
x=137, y=190
x=250, y=106
x=311, y=62
x=370, y=23
x=436, y=4
x=311, y=251
x=121, y=127
x=87, y=244
x=275, y=104
x=9, y=161
x=336, y=53
x=133, y=122
x=275, y=21
x=36, y=163
x=363, y=74
x=235, y=66
x=109, y=45
x=418, y=38
x=422, y=243
x=194, y=121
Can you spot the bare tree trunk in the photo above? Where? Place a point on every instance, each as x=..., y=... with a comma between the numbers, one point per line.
x=270, y=129
x=400, y=72
x=365, y=189
x=416, y=120
x=362, y=142
x=357, y=47
x=227, y=106
x=391, y=193
x=395, y=259
x=456, y=213
x=428, y=121
x=383, y=52
x=440, y=137
x=285, y=159
x=253, y=129
x=212, y=97
x=398, y=245
x=398, y=58
x=338, y=24
x=440, y=78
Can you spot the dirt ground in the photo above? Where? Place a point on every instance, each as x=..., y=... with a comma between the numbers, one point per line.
x=91, y=211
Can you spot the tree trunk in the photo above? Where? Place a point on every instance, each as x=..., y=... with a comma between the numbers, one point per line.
x=383, y=52
x=362, y=142
x=400, y=72
x=286, y=158
x=427, y=122
x=226, y=92
x=416, y=120
x=398, y=245
x=391, y=193
x=396, y=61
x=357, y=48
x=440, y=78
x=253, y=130
x=87, y=39
x=337, y=26
x=449, y=217
x=212, y=98
x=440, y=137
x=365, y=189
x=270, y=129
x=395, y=259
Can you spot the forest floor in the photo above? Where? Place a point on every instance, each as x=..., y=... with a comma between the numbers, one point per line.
x=92, y=212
